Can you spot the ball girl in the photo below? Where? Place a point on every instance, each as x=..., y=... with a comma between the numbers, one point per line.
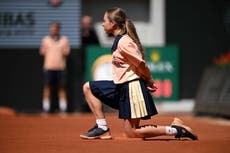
x=129, y=92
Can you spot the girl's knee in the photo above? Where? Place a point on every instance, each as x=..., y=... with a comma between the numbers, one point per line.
x=130, y=127
x=86, y=87
x=130, y=133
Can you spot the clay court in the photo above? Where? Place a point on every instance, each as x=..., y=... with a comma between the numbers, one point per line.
x=37, y=133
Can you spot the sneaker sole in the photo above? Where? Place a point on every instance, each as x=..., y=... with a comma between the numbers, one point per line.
x=179, y=122
x=105, y=136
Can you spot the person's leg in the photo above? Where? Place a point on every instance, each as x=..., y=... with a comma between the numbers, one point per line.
x=46, y=98
x=62, y=99
x=177, y=129
x=130, y=126
x=105, y=90
x=61, y=83
x=132, y=129
x=53, y=81
x=46, y=92
x=94, y=103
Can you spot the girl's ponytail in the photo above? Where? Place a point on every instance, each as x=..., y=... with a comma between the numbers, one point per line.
x=131, y=31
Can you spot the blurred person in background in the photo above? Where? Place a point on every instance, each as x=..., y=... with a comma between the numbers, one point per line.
x=89, y=35
x=55, y=49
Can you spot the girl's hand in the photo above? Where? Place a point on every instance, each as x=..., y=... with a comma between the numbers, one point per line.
x=151, y=86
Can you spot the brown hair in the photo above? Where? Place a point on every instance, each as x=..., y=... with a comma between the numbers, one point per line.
x=55, y=23
x=119, y=16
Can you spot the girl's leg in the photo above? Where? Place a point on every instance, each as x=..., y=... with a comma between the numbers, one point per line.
x=132, y=129
x=130, y=126
x=101, y=131
x=177, y=129
x=94, y=103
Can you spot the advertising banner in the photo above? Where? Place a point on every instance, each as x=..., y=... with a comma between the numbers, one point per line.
x=163, y=64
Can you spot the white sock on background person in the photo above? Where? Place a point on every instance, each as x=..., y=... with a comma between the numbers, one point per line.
x=46, y=105
x=63, y=105
x=101, y=123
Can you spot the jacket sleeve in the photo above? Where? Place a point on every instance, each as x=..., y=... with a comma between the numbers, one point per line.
x=131, y=52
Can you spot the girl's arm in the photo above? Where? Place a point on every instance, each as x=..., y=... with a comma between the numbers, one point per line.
x=146, y=74
x=130, y=51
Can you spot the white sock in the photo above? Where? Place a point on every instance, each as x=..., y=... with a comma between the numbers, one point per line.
x=170, y=130
x=63, y=105
x=46, y=105
x=101, y=123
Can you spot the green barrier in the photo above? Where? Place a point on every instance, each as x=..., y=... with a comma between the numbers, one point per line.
x=162, y=62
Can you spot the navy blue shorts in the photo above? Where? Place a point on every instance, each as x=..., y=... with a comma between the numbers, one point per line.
x=54, y=77
x=132, y=98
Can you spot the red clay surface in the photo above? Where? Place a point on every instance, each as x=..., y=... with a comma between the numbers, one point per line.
x=23, y=133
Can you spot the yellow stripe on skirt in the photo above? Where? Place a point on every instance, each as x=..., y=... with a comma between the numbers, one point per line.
x=137, y=102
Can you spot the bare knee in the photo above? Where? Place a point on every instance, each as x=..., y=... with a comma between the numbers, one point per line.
x=86, y=87
x=130, y=133
x=130, y=127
